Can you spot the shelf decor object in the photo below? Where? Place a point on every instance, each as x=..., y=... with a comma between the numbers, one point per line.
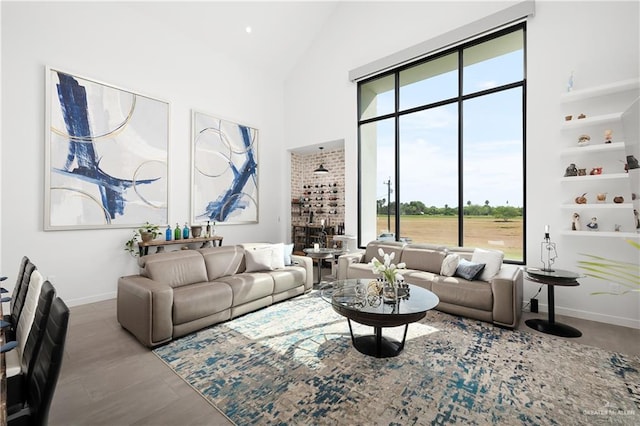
x=224, y=171
x=105, y=155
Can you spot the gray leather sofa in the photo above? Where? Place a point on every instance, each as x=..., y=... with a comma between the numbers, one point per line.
x=179, y=292
x=497, y=300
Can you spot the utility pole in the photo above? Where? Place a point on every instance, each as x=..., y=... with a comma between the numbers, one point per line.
x=389, y=191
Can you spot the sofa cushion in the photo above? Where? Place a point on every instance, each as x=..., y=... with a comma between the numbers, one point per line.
x=222, y=261
x=248, y=287
x=449, y=265
x=277, y=256
x=424, y=257
x=419, y=278
x=200, y=300
x=258, y=259
x=469, y=270
x=360, y=270
x=175, y=268
x=288, y=252
x=288, y=278
x=458, y=291
x=387, y=246
x=492, y=260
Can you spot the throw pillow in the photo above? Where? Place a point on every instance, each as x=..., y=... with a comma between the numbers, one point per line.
x=469, y=270
x=258, y=259
x=277, y=253
x=492, y=260
x=288, y=251
x=449, y=265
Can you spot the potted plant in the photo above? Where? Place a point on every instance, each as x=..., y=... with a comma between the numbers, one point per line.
x=146, y=232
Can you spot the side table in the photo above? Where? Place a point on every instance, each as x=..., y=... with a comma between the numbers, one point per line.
x=556, y=277
x=320, y=255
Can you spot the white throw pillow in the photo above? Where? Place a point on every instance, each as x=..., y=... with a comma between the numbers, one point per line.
x=258, y=259
x=492, y=260
x=288, y=251
x=449, y=265
x=277, y=253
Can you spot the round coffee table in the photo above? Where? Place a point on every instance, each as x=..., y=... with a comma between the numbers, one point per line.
x=354, y=300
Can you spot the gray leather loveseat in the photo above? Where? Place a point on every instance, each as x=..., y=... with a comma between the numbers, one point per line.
x=179, y=292
x=495, y=295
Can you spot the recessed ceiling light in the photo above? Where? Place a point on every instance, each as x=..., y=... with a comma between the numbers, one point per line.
x=248, y=30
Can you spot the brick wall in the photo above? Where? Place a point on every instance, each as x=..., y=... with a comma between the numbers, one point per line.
x=303, y=181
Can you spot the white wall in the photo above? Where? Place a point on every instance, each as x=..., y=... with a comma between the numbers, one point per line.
x=597, y=40
x=120, y=46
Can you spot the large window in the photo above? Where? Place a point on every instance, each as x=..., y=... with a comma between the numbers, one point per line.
x=441, y=146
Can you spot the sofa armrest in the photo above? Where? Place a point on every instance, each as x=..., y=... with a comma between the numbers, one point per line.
x=347, y=259
x=144, y=307
x=307, y=264
x=507, y=296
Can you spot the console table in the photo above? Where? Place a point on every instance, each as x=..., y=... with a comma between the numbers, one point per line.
x=143, y=247
x=551, y=279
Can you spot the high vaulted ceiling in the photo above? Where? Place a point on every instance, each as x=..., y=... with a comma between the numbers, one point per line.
x=280, y=31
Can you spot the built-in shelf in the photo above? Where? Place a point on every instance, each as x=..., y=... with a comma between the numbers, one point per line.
x=603, y=90
x=600, y=234
x=592, y=121
x=600, y=147
x=587, y=206
x=604, y=176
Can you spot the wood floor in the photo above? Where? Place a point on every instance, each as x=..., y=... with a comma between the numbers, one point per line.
x=108, y=378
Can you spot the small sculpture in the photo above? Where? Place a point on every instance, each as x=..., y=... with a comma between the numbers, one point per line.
x=632, y=162
x=593, y=225
x=601, y=197
x=619, y=199
x=582, y=172
x=637, y=216
x=575, y=224
x=608, y=135
x=581, y=116
x=581, y=199
x=596, y=171
x=584, y=140
x=571, y=170
x=568, y=117
x=616, y=227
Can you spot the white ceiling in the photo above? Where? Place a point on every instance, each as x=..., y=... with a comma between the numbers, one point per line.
x=281, y=31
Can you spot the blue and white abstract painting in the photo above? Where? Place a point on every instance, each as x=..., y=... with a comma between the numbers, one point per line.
x=106, y=155
x=224, y=171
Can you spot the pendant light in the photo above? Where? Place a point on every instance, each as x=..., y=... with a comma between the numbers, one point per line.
x=321, y=170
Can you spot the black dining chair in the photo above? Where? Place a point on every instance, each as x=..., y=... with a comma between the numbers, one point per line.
x=16, y=288
x=10, y=321
x=19, y=366
x=46, y=370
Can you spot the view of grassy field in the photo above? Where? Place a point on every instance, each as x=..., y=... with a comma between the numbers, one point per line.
x=480, y=231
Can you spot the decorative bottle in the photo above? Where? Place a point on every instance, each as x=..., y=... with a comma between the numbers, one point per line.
x=168, y=233
x=177, y=233
x=185, y=231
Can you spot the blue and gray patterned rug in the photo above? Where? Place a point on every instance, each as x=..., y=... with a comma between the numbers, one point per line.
x=293, y=364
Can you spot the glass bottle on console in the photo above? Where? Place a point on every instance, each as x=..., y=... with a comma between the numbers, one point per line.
x=168, y=233
x=185, y=231
x=177, y=233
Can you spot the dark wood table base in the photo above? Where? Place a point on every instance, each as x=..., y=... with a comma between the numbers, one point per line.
x=376, y=345
x=555, y=328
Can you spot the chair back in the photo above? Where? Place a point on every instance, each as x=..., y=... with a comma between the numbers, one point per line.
x=18, y=300
x=38, y=327
x=16, y=288
x=48, y=362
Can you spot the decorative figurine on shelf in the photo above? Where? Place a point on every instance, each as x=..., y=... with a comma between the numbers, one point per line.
x=596, y=171
x=608, y=136
x=584, y=140
x=593, y=225
x=581, y=199
x=581, y=116
x=582, y=172
x=575, y=223
x=601, y=197
x=637, y=216
x=572, y=170
x=618, y=199
x=570, y=83
x=616, y=227
x=632, y=162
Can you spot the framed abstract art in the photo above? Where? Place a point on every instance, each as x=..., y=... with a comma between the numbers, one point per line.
x=106, y=155
x=224, y=166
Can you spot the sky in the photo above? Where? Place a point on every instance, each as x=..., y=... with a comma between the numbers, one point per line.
x=492, y=132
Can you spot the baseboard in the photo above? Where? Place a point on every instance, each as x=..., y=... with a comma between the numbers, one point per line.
x=92, y=299
x=591, y=316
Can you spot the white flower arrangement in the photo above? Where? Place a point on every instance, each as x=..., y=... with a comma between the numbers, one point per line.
x=387, y=269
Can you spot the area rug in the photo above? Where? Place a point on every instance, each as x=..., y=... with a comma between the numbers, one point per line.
x=293, y=364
